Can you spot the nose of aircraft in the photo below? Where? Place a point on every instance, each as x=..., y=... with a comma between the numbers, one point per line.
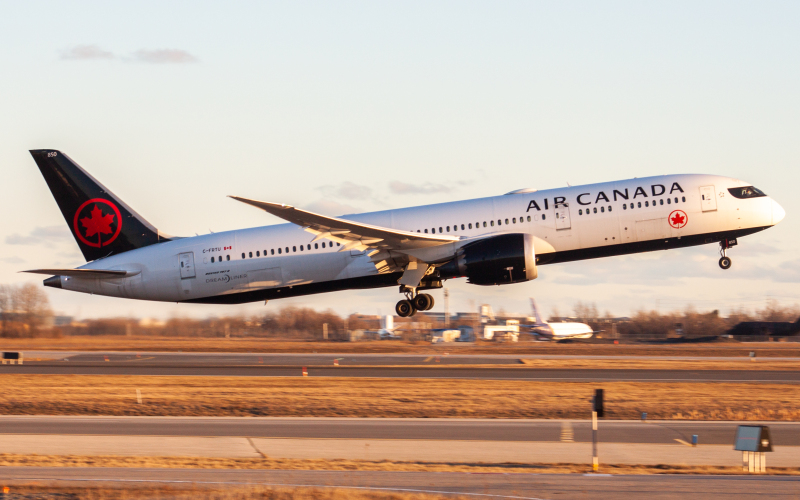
x=778, y=213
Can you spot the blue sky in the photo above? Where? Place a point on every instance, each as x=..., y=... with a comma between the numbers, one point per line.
x=357, y=106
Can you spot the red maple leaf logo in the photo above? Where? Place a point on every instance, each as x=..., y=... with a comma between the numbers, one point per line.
x=677, y=219
x=98, y=223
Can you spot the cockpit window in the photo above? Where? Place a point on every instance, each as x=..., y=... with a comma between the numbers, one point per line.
x=746, y=192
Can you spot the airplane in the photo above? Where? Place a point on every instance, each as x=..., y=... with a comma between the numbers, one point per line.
x=496, y=240
x=558, y=331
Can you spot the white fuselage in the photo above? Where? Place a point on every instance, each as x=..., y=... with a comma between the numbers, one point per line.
x=566, y=224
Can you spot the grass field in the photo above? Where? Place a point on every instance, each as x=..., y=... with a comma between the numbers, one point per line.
x=213, y=492
x=13, y=460
x=196, y=344
x=362, y=397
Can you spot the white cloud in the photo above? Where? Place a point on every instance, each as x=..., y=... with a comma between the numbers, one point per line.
x=399, y=187
x=347, y=190
x=12, y=260
x=39, y=235
x=329, y=207
x=85, y=53
x=164, y=56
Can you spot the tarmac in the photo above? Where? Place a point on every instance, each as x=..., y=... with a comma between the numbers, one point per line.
x=368, y=365
x=430, y=440
x=478, y=486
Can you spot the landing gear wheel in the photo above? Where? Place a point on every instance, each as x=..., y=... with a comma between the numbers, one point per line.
x=725, y=262
x=404, y=309
x=423, y=302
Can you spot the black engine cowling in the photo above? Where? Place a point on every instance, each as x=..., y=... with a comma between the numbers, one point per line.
x=499, y=260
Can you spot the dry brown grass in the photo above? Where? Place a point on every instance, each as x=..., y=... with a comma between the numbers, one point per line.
x=216, y=492
x=197, y=344
x=364, y=397
x=15, y=460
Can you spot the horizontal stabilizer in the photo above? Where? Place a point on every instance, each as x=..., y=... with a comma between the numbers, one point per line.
x=85, y=273
x=351, y=234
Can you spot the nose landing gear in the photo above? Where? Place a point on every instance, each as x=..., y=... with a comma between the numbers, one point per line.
x=413, y=302
x=724, y=245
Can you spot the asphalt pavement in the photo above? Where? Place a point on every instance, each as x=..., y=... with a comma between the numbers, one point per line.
x=611, y=431
x=519, y=486
x=370, y=366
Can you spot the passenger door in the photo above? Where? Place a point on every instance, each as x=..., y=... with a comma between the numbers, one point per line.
x=708, y=200
x=187, y=265
x=562, y=217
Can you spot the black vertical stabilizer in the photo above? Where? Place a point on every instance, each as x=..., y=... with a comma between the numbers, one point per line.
x=101, y=223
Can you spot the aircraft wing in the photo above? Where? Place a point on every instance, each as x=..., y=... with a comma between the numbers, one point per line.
x=351, y=234
x=85, y=273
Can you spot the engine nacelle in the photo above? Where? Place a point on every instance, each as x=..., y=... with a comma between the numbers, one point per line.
x=499, y=260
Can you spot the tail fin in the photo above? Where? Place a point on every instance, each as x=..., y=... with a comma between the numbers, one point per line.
x=536, y=315
x=101, y=223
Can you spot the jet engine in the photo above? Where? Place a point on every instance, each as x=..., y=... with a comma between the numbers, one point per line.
x=499, y=260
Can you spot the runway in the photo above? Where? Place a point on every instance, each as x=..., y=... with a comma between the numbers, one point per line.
x=371, y=366
x=611, y=431
x=518, y=486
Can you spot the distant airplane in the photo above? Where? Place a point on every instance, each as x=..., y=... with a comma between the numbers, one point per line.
x=490, y=241
x=558, y=331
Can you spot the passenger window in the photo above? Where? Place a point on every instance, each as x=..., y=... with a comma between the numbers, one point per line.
x=580, y=212
x=544, y=216
x=309, y=246
x=683, y=199
x=448, y=229
x=316, y=246
x=529, y=218
x=323, y=244
x=491, y=223
x=426, y=231
x=251, y=255
x=462, y=226
x=640, y=204
x=338, y=244
x=294, y=249
x=661, y=201
x=433, y=230
x=602, y=209
x=514, y=220
x=647, y=204
x=287, y=249
x=484, y=223
x=258, y=254
x=301, y=248
x=609, y=208
x=212, y=261
x=219, y=258
x=440, y=229
x=243, y=256
x=624, y=206
x=272, y=251
x=470, y=225
x=595, y=209
x=506, y=222
x=279, y=251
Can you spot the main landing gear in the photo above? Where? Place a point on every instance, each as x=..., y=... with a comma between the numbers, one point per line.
x=413, y=302
x=724, y=245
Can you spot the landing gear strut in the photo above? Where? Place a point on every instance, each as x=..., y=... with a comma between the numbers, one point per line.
x=724, y=245
x=413, y=302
